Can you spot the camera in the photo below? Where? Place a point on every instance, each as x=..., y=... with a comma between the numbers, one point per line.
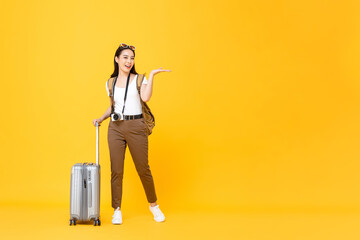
x=117, y=116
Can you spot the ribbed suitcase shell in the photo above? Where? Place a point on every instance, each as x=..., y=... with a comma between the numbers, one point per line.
x=85, y=190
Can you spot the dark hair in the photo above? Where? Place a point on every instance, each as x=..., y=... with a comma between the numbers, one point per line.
x=116, y=66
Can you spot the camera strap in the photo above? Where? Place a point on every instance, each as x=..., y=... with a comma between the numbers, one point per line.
x=126, y=89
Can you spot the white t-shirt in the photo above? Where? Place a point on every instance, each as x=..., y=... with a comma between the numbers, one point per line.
x=133, y=104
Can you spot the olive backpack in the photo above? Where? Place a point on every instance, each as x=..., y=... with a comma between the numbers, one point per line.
x=148, y=116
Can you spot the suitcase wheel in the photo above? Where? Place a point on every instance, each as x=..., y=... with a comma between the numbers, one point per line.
x=72, y=221
x=97, y=222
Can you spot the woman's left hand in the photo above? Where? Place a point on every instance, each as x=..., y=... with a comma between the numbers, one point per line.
x=156, y=71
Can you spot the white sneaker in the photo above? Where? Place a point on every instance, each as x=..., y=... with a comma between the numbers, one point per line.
x=158, y=215
x=117, y=217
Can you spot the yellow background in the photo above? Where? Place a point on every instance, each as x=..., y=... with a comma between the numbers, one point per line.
x=260, y=113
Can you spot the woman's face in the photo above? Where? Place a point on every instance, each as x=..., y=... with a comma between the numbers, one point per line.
x=125, y=60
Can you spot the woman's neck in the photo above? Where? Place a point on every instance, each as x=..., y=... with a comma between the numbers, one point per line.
x=123, y=75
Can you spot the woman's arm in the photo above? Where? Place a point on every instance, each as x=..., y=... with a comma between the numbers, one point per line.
x=146, y=89
x=106, y=114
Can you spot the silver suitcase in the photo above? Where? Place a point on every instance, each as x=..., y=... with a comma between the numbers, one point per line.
x=85, y=190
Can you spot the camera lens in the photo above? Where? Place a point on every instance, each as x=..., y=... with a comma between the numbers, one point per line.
x=116, y=117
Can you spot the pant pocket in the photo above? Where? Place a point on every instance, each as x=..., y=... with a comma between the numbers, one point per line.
x=144, y=126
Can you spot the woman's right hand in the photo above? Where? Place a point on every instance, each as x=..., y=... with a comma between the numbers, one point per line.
x=97, y=120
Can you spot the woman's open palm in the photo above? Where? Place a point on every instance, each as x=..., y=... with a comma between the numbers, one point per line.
x=156, y=71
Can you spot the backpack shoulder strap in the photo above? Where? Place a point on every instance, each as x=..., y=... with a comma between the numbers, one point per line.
x=110, y=83
x=139, y=82
x=140, y=79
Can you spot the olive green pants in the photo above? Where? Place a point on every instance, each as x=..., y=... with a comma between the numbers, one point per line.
x=133, y=133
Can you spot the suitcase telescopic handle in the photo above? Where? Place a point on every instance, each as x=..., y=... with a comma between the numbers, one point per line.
x=97, y=143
